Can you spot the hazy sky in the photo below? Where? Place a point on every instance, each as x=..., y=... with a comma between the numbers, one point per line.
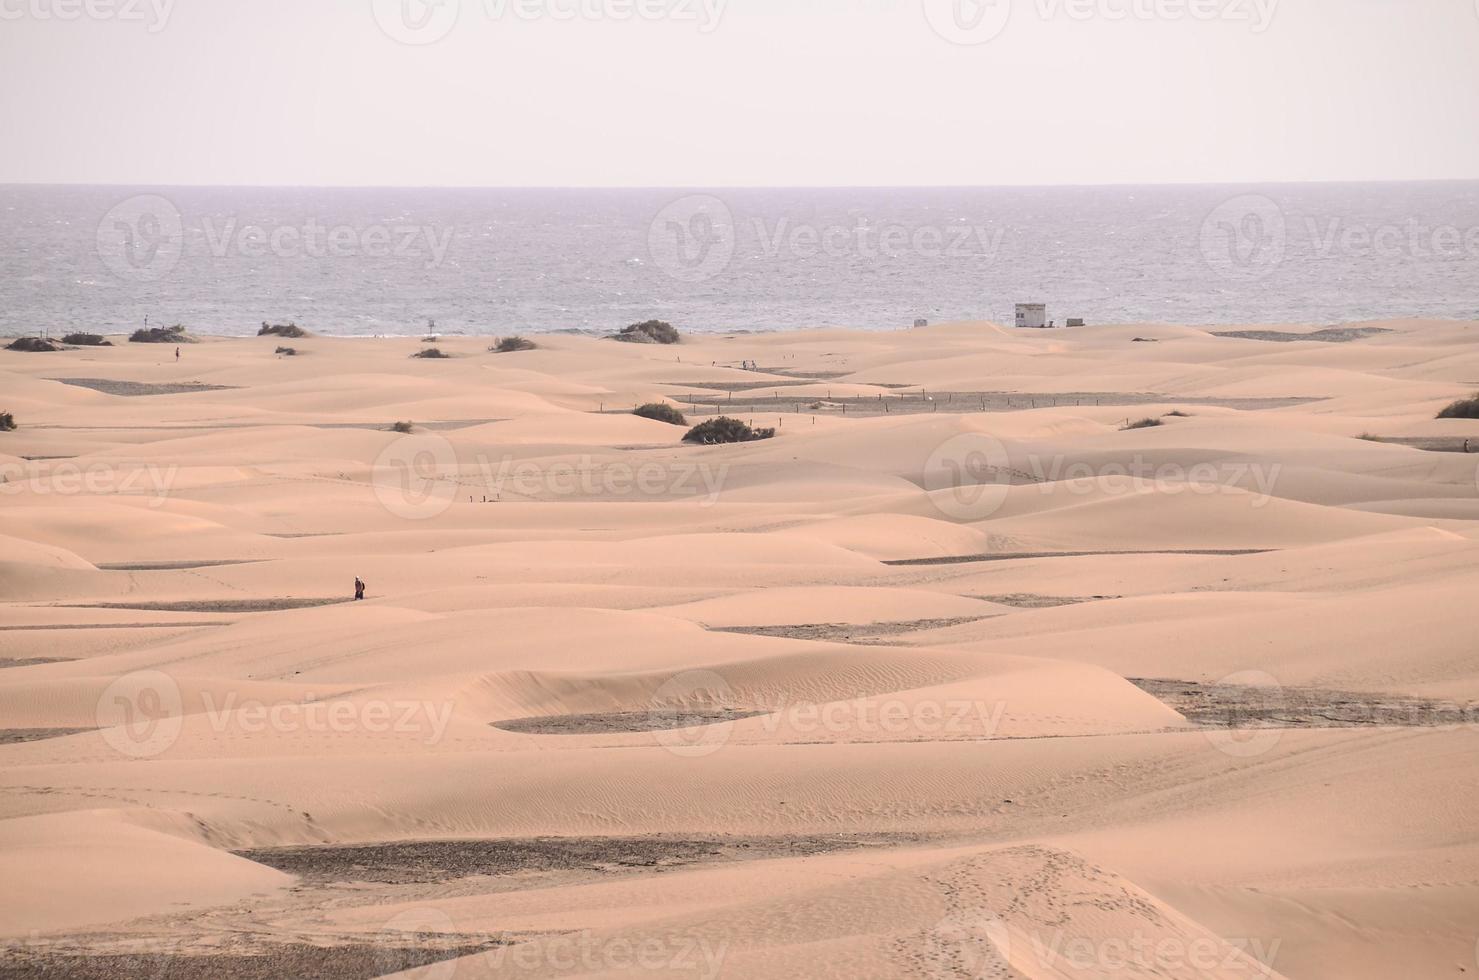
x=736, y=92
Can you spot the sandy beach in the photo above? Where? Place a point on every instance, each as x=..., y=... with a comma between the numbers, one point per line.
x=1138, y=650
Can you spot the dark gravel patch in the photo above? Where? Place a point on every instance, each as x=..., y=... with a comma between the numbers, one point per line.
x=12, y=736
x=1330, y=335
x=658, y=719
x=427, y=862
x=1245, y=706
x=219, y=605
x=847, y=632
x=1018, y=555
x=138, y=389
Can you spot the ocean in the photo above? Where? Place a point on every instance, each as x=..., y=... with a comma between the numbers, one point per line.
x=402, y=261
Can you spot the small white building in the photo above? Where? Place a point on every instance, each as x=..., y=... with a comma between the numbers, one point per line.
x=1032, y=314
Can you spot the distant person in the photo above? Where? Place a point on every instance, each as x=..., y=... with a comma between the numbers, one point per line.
x=359, y=589
x=177, y=353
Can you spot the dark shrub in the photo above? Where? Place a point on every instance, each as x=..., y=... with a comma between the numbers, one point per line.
x=402, y=427
x=287, y=351
x=7, y=422
x=87, y=340
x=660, y=412
x=508, y=345
x=33, y=345
x=1464, y=408
x=712, y=432
x=1143, y=424
x=429, y=352
x=649, y=332
x=281, y=330
x=161, y=335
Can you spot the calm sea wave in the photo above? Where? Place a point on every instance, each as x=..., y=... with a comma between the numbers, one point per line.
x=492, y=261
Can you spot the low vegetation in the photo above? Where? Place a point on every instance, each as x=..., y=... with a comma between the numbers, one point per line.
x=1177, y=414
x=161, y=335
x=1464, y=408
x=291, y=330
x=649, y=332
x=509, y=345
x=33, y=345
x=287, y=351
x=432, y=352
x=716, y=431
x=401, y=427
x=660, y=412
x=87, y=340
x=7, y=422
x=1142, y=424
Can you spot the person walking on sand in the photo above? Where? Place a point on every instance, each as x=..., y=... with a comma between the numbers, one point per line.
x=359, y=589
x=177, y=353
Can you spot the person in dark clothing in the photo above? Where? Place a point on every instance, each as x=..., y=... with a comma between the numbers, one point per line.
x=359, y=588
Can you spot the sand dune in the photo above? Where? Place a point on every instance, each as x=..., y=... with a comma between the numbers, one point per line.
x=968, y=679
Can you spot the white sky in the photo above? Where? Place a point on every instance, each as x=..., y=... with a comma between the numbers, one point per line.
x=805, y=92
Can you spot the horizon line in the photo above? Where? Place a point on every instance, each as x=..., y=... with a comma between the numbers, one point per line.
x=745, y=187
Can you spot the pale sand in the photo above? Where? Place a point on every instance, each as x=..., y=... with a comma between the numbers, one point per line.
x=931, y=741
